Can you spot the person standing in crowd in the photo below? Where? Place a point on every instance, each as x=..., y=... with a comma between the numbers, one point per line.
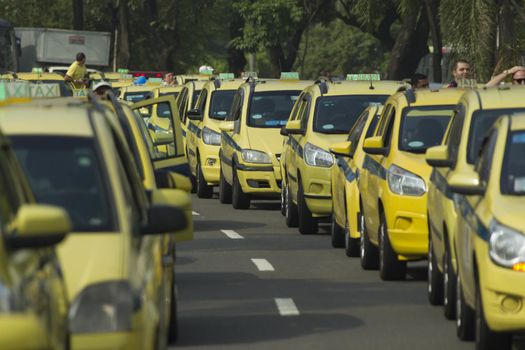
x=419, y=81
x=77, y=72
x=518, y=76
x=461, y=70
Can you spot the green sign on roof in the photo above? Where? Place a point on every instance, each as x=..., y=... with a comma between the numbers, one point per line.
x=38, y=70
x=18, y=89
x=226, y=76
x=290, y=75
x=123, y=70
x=155, y=80
x=363, y=77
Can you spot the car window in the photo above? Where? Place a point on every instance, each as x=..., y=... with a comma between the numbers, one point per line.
x=484, y=162
x=195, y=96
x=271, y=109
x=181, y=104
x=137, y=96
x=304, y=113
x=482, y=121
x=423, y=127
x=372, y=126
x=296, y=108
x=236, y=107
x=453, y=139
x=220, y=104
x=337, y=114
x=172, y=93
x=357, y=131
x=66, y=171
x=513, y=171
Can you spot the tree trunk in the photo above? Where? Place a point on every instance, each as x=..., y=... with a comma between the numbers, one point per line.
x=236, y=58
x=123, y=52
x=432, y=11
x=410, y=45
x=508, y=54
x=282, y=59
x=78, y=14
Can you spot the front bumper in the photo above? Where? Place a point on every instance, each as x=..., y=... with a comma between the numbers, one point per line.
x=260, y=180
x=317, y=184
x=210, y=163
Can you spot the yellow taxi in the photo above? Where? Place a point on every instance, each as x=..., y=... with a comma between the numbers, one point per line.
x=203, y=138
x=173, y=90
x=349, y=158
x=187, y=100
x=155, y=175
x=490, y=199
x=76, y=158
x=33, y=298
x=183, y=79
x=136, y=93
x=476, y=112
x=394, y=180
x=251, y=144
x=323, y=115
x=37, y=76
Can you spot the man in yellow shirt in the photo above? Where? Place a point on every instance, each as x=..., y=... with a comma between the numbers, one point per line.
x=77, y=72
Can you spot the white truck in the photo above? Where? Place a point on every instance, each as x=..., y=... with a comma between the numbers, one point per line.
x=46, y=47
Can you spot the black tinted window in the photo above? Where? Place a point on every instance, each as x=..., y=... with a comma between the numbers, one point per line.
x=513, y=172
x=138, y=96
x=271, y=109
x=221, y=102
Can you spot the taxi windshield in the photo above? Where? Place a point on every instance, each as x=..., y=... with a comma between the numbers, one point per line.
x=338, y=114
x=65, y=171
x=513, y=171
x=271, y=109
x=137, y=96
x=482, y=121
x=220, y=104
x=423, y=127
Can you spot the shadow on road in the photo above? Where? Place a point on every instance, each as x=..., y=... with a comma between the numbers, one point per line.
x=215, y=225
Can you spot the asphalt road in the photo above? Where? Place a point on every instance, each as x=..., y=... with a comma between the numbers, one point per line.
x=305, y=294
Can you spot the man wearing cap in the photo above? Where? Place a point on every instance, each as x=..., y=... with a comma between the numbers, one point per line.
x=100, y=89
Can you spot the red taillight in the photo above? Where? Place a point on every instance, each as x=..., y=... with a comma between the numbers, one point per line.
x=159, y=75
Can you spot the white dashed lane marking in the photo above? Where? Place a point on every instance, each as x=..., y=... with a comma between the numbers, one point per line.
x=286, y=307
x=194, y=213
x=263, y=265
x=232, y=234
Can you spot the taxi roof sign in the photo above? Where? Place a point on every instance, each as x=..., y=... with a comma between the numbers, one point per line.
x=18, y=89
x=155, y=80
x=123, y=70
x=363, y=77
x=226, y=76
x=206, y=71
x=246, y=75
x=290, y=75
x=37, y=70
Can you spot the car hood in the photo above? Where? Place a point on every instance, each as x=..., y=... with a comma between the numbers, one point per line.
x=268, y=140
x=88, y=258
x=508, y=210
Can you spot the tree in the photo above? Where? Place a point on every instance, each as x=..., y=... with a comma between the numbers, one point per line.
x=78, y=14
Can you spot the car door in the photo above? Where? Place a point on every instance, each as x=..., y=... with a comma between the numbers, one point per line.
x=167, y=138
x=297, y=141
x=227, y=139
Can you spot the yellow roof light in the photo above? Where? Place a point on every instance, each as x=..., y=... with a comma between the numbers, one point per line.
x=290, y=75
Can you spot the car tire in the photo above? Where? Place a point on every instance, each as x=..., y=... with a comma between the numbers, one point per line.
x=203, y=189
x=449, y=286
x=337, y=233
x=368, y=252
x=487, y=339
x=173, y=324
x=351, y=244
x=225, y=190
x=435, y=277
x=465, y=316
x=390, y=267
x=291, y=215
x=308, y=225
x=240, y=200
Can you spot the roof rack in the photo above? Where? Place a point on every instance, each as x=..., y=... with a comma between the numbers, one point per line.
x=410, y=95
x=323, y=86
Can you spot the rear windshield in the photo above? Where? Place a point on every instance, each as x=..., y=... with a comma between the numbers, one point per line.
x=513, y=171
x=138, y=96
x=338, y=114
x=65, y=171
x=221, y=101
x=482, y=121
x=173, y=93
x=423, y=127
x=271, y=109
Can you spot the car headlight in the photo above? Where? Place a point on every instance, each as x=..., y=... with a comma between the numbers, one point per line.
x=101, y=308
x=252, y=156
x=506, y=246
x=405, y=183
x=316, y=156
x=211, y=137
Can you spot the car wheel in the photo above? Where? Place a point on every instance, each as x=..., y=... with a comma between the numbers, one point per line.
x=368, y=252
x=465, y=316
x=351, y=244
x=203, y=189
x=240, y=200
x=308, y=225
x=390, y=268
x=337, y=232
x=291, y=215
x=449, y=286
x=435, y=277
x=225, y=190
x=486, y=338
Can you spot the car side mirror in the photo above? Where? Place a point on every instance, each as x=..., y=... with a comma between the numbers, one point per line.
x=375, y=145
x=164, y=219
x=283, y=131
x=176, y=198
x=194, y=114
x=169, y=179
x=341, y=149
x=437, y=156
x=466, y=183
x=163, y=138
x=227, y=125
x=293, y=127
x=38, y=225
